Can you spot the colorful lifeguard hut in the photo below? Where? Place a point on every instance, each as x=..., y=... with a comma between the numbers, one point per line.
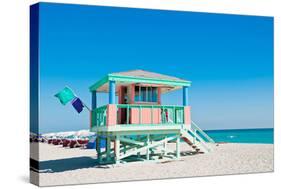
x=138, y=127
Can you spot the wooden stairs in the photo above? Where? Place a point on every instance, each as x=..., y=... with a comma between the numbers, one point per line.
x=196, y=138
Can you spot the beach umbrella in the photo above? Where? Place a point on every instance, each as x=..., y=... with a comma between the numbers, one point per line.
x=84, y=134
x=49, y=135
x=67, y=134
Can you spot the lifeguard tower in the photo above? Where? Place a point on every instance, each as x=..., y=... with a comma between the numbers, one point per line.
x=138, y=127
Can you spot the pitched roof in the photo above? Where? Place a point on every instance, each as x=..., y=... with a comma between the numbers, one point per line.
x=141, y=77
x=147, y=74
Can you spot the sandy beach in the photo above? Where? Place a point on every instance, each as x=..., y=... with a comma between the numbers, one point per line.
x=74, y=166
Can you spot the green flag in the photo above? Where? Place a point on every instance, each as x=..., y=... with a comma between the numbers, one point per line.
x=65, y=95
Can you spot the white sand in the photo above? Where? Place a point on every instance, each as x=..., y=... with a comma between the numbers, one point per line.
x=74, y=166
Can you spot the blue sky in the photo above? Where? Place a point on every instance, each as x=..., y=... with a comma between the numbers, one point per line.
x=228, y=58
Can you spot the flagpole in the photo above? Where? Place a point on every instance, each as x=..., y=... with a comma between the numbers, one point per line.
x=86, y=106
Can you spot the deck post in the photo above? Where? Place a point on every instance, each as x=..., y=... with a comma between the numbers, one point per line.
x=98, y=149
x=147, y=150
x=165, y=146
x=138, y=154
x=185, y=96
x=112, y=90
x=108, y=148
x=93, y=118
x=178, y=147
x=94, y=100
x=117, y=149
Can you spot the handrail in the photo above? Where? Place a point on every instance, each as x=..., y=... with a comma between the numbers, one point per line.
x=99, y=108
x=199, y=138
x=171, y=111
x=209, y=139
x=174, y=114
x=99, y=114
x=202, y=141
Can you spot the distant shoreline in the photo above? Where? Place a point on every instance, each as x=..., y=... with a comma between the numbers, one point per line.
x=242, y=136
x=238, y=129
x=207, y=130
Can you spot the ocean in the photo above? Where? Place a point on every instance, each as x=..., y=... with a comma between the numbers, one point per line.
x=264, y=136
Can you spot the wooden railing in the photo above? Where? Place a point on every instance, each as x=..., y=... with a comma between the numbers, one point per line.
x=99, y=116
x=134, y=114
x=149, y=114
x=201, y=133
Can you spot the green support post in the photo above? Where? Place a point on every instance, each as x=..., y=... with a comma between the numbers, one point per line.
x=98, y=149
x=165, y=147
x=125, y=148
x=108, y=148
x=117, y=149
x=147, y=150
x=178, y=147
x=138, y=154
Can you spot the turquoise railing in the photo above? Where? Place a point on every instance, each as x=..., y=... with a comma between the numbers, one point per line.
x=169, y=114
x=99, y=116
x=201, y=133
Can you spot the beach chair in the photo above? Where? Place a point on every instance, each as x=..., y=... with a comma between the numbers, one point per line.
x=83, y=143
x=65, y=143
x=73, y=144
x=57, y=141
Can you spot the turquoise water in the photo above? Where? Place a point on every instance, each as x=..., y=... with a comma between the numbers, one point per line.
x=264, y=136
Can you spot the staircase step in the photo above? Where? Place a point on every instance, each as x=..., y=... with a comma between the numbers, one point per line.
x=200, y=146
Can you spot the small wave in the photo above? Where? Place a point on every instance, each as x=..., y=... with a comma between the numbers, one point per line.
x=231, y=136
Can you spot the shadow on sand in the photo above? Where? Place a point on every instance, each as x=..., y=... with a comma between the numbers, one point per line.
x=69, y=164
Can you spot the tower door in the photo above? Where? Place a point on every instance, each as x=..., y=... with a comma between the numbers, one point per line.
x=123, y=99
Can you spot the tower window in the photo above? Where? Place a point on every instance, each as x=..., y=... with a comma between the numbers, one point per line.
x=146, y=94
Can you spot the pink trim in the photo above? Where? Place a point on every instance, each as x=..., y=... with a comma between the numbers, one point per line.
x=119, y=101
x=159, y=95
x=120, y=95
x=132, y=95
x=111, y=115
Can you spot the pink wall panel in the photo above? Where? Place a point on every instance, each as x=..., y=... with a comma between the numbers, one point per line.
x=187, y=118
x=145, y=116
x=111, y=115
x=157, y=116
x=134, y=116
